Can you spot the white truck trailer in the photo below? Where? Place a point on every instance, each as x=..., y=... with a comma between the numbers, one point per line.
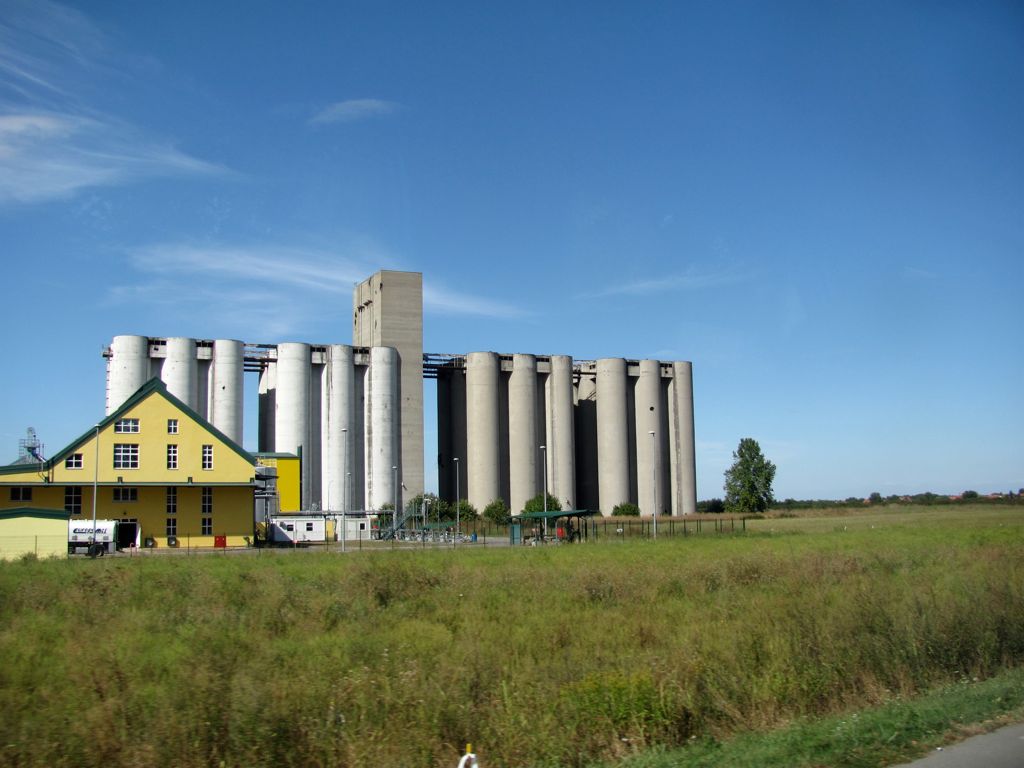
x=82, y=539
x=297, y=529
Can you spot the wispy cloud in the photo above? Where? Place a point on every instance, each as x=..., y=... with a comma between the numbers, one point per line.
x=44, y=156
x=443, y=301
x=353, y=110
x=282, y=266
x=276, y=289
x=52, y=144
x=690, y=280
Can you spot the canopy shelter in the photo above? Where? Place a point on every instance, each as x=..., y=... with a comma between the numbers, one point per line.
x=567, y=525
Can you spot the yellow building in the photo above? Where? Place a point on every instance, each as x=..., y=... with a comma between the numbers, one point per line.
x=289, y=478
x=35, y=531
x=156, y=463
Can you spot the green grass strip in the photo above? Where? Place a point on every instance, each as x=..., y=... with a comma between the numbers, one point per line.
x=886, y=735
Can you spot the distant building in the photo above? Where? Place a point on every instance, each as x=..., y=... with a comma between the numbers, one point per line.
x=593, y=433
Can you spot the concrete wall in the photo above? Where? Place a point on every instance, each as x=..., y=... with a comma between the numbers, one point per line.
x=482, y=419
x=594, y=420
x=388, y=312
x=522, y=432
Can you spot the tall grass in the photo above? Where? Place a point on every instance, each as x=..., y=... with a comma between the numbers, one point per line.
x=558, y=656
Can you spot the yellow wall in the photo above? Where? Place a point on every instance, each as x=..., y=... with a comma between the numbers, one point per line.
x=289, y=473
x=45, y=537
x=232, y=511
x=152, y=439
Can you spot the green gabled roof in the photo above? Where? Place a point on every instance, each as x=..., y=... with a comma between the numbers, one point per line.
x=151, y=386
x=50, y=514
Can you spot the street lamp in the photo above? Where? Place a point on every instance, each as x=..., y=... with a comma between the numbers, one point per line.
x=544, y=466
x=344, y=487
x=457, y=500
x=344, y=466
x=654, y=479
x=95, y=486
x=394, y=517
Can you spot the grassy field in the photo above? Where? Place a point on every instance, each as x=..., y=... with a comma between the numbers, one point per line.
x=562, y=656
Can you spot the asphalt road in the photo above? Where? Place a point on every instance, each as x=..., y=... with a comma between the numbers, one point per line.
x=1000, y=749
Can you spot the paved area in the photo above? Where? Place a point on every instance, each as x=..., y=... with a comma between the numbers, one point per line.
x=1000, y=749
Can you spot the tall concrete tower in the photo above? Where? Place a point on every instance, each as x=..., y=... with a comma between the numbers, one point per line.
x=387, y=311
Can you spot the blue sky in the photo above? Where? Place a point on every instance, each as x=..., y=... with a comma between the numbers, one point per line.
x=820, y=204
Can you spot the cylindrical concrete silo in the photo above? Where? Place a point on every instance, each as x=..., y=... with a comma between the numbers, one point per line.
x=267, y=407
x=522, y=431
x=338, y=415
x=648, y=400
x=382, y=449
x=226, y=391
x=291, y=424
x=180, y=371
x=683, y=450
x=612, y=433
x=459, y=470
x=561, y=437
x=482, y=370
x=127, y=369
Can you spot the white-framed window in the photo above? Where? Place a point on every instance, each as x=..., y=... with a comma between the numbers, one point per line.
x=74, y=461
x=172, y=426
x=309, y=526
x=172, y=501
x=172, y=526
x=126, y=455
x=207, y=457
x=125, y=495
x=172, y=456
x=21, y=493
x=73, y=499
x=206, y=526
x=207, y=501
x=126, y=426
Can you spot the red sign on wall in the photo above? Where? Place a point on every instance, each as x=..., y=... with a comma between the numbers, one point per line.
x=220, y=541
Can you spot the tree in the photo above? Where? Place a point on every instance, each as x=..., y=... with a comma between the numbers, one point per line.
x=626, y=509
x=466, y=511
x=497, y=512
x=875, y=498
x=748, y=482
x=536, y=504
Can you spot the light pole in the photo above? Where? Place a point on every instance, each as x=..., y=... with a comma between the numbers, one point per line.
x=95, y=485
x=457, y=499
x=654, y=479
x=544, y=466
x=344, y=486
x=344, y=466
x=394, y=517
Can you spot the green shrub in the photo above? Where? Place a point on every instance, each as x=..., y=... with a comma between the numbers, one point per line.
x=626, y=509
x=536, y=504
